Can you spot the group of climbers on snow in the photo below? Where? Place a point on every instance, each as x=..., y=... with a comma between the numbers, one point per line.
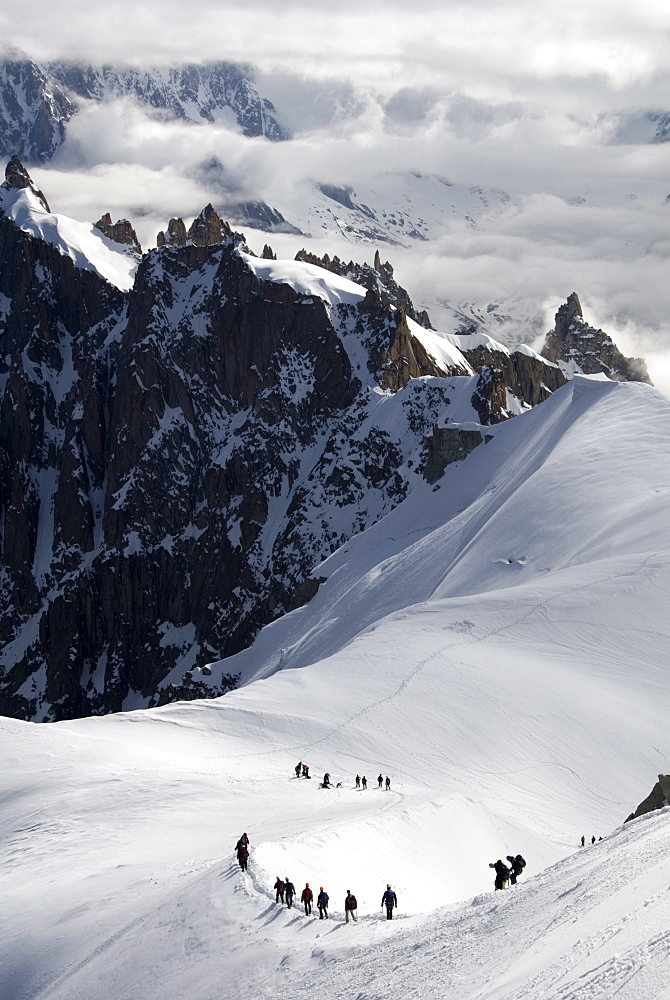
x=505, y=874
x=302, y=771
x=284, y=888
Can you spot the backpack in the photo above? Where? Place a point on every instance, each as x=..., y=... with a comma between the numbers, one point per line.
x=520, y=862
x=323, y=898
x=351, y=902
x=279, y=885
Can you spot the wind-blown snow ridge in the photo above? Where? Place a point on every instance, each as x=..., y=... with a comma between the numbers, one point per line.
x=307, y=279
x=86, y=247
x=574, y=466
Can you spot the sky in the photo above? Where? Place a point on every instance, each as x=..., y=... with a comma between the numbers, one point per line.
x=547, y=102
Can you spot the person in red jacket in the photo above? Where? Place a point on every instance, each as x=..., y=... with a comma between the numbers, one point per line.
x=306, y=898
x=279, y=886
x=350, y=905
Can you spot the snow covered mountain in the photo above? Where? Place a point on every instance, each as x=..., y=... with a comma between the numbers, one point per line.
x=178, y=456
x=37, y=101
x=497, y=646
x=477, y=608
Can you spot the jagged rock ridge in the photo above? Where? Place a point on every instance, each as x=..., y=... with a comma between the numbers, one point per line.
x=176, y=460
x=578, y=347
x=120, y=231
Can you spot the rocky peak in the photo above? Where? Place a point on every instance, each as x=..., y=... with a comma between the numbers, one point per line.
x=175, y=235
x=567, y=314
x=579, y=348
x=120, y=232
x=268, y=253
x=17, y=178
x=208, y=228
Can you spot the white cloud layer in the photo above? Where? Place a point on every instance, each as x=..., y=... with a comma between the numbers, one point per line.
x=521, y=96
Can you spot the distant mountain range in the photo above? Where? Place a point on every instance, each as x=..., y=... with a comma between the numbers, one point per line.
x=37, y=100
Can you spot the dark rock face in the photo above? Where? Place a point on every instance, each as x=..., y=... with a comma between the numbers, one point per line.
x=657, y=798
x=447, y=445
x=523, y=376
x=175, y=461
x=120, y=232
x=578, y=347
x=37, y=101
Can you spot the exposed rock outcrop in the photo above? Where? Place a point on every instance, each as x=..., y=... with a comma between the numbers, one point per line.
x=447, y=445
x=208, y=229
x=578, y=347
x=17, y=178
x=120, y=231
x=174, y=236
x=657, y=798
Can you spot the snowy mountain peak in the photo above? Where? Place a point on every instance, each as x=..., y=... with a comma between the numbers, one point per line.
x=85, y=245
x=17, y=178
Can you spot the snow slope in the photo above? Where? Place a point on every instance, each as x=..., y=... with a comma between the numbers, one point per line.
x=497, y=646
x=86, y=247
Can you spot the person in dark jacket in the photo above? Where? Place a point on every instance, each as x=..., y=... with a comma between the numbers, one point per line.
x=390, y=901
x=279, y=885
x=517, y=864
x=322, y=903
x=364, y=782
x=298, y=769
x=326, y=780
x=358, y=781
x=289, y=890
x=306, y=898
x=242, y=857
x=388, y=782
x=243, y=841
x=350, y=905
x=502, y=874
x=380, y=780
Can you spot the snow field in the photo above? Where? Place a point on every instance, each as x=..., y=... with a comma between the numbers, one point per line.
x=498, y=647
